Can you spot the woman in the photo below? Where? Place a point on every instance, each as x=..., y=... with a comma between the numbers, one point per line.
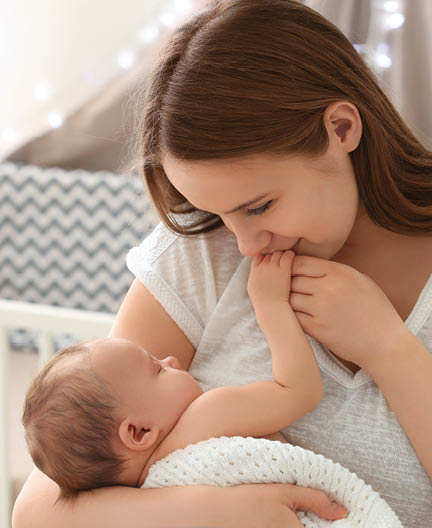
x=264, y=130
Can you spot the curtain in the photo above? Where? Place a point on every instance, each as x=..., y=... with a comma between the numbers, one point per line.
x=408, y=81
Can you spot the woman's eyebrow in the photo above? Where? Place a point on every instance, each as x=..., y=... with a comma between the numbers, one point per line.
x=247, y=204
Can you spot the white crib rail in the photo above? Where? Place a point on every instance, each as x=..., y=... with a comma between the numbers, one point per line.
x=47, y=320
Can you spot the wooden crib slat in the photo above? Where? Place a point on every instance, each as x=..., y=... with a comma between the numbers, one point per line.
x=5, y=484
x=46, y=348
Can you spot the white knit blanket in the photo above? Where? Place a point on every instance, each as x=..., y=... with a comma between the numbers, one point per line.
x=236, y=460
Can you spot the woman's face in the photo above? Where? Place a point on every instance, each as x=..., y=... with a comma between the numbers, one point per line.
x=270, y=202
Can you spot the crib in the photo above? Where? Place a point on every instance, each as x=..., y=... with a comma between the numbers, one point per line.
x=47, y=321
x=64, y=236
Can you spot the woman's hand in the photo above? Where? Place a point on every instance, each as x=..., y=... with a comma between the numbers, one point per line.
x=275, y=505
x=343, y=309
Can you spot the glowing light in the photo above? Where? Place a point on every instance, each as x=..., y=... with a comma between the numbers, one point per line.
x=126, y=60
x=168, y=19
x=149, y=34
x=391, y=6
x=55, y=120
x=394, y=21
x=42, y=91
x=383, y=60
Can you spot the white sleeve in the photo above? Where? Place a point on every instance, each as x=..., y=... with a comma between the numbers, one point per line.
x=187, y=275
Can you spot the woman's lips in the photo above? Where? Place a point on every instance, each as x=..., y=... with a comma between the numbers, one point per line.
x=294, y=248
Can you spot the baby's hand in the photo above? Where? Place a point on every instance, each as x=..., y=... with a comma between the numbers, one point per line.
x=270, y=278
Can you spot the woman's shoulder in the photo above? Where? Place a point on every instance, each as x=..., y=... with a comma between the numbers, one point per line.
x=187, y=275
x=163, y=245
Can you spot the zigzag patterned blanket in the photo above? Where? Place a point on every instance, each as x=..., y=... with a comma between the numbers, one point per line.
x=65, y=234
x=64, y=237
x=236, y=460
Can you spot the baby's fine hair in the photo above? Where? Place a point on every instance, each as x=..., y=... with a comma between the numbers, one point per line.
x=245, y=77
x=69, y=424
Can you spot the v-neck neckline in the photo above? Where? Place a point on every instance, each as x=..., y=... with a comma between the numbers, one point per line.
x=342, y=374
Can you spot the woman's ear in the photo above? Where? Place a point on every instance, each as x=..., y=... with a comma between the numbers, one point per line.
x=134, y=435
x=343, y=124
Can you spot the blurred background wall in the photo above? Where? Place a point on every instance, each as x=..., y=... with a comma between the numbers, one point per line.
x=69, y=68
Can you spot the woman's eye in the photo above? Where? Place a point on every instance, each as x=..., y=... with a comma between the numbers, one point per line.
x=259, y=210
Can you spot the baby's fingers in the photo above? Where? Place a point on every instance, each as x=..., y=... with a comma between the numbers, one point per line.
x=276, y=257
x=287, y=257
x=256, y=261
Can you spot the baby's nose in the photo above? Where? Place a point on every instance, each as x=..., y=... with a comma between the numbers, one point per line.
x=172, y=362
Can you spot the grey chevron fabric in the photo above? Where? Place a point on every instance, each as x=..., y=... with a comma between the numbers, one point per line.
x=64, y=235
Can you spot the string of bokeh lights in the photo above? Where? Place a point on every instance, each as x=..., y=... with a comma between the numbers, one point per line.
x=387, y=15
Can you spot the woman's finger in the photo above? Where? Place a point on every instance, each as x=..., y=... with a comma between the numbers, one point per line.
x=256, y=261
x=300, y=303
x=312, y=266
x=302, y=284
x=309, y=499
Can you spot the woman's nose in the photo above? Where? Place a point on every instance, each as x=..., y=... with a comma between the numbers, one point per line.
x=251, y=244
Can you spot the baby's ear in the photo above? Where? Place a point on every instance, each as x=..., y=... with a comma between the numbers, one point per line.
x=135, y=436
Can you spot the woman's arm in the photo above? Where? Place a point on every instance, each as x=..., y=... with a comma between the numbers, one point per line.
x=113, y=507
x=246, y=506
x=143, y=320
x=404, y=374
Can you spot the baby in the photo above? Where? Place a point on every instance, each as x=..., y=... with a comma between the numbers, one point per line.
x=102, y=412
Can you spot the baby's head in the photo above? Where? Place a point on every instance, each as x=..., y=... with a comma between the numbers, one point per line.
x=98, y=409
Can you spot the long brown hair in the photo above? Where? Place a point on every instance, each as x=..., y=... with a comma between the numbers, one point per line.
x=250, y=76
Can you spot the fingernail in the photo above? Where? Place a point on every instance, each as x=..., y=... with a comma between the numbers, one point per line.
x=339, y=510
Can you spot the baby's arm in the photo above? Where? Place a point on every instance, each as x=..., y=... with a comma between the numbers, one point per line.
x=261, y=408
x=294, y=364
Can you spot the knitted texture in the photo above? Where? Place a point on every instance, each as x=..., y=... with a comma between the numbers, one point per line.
x=236, y=460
